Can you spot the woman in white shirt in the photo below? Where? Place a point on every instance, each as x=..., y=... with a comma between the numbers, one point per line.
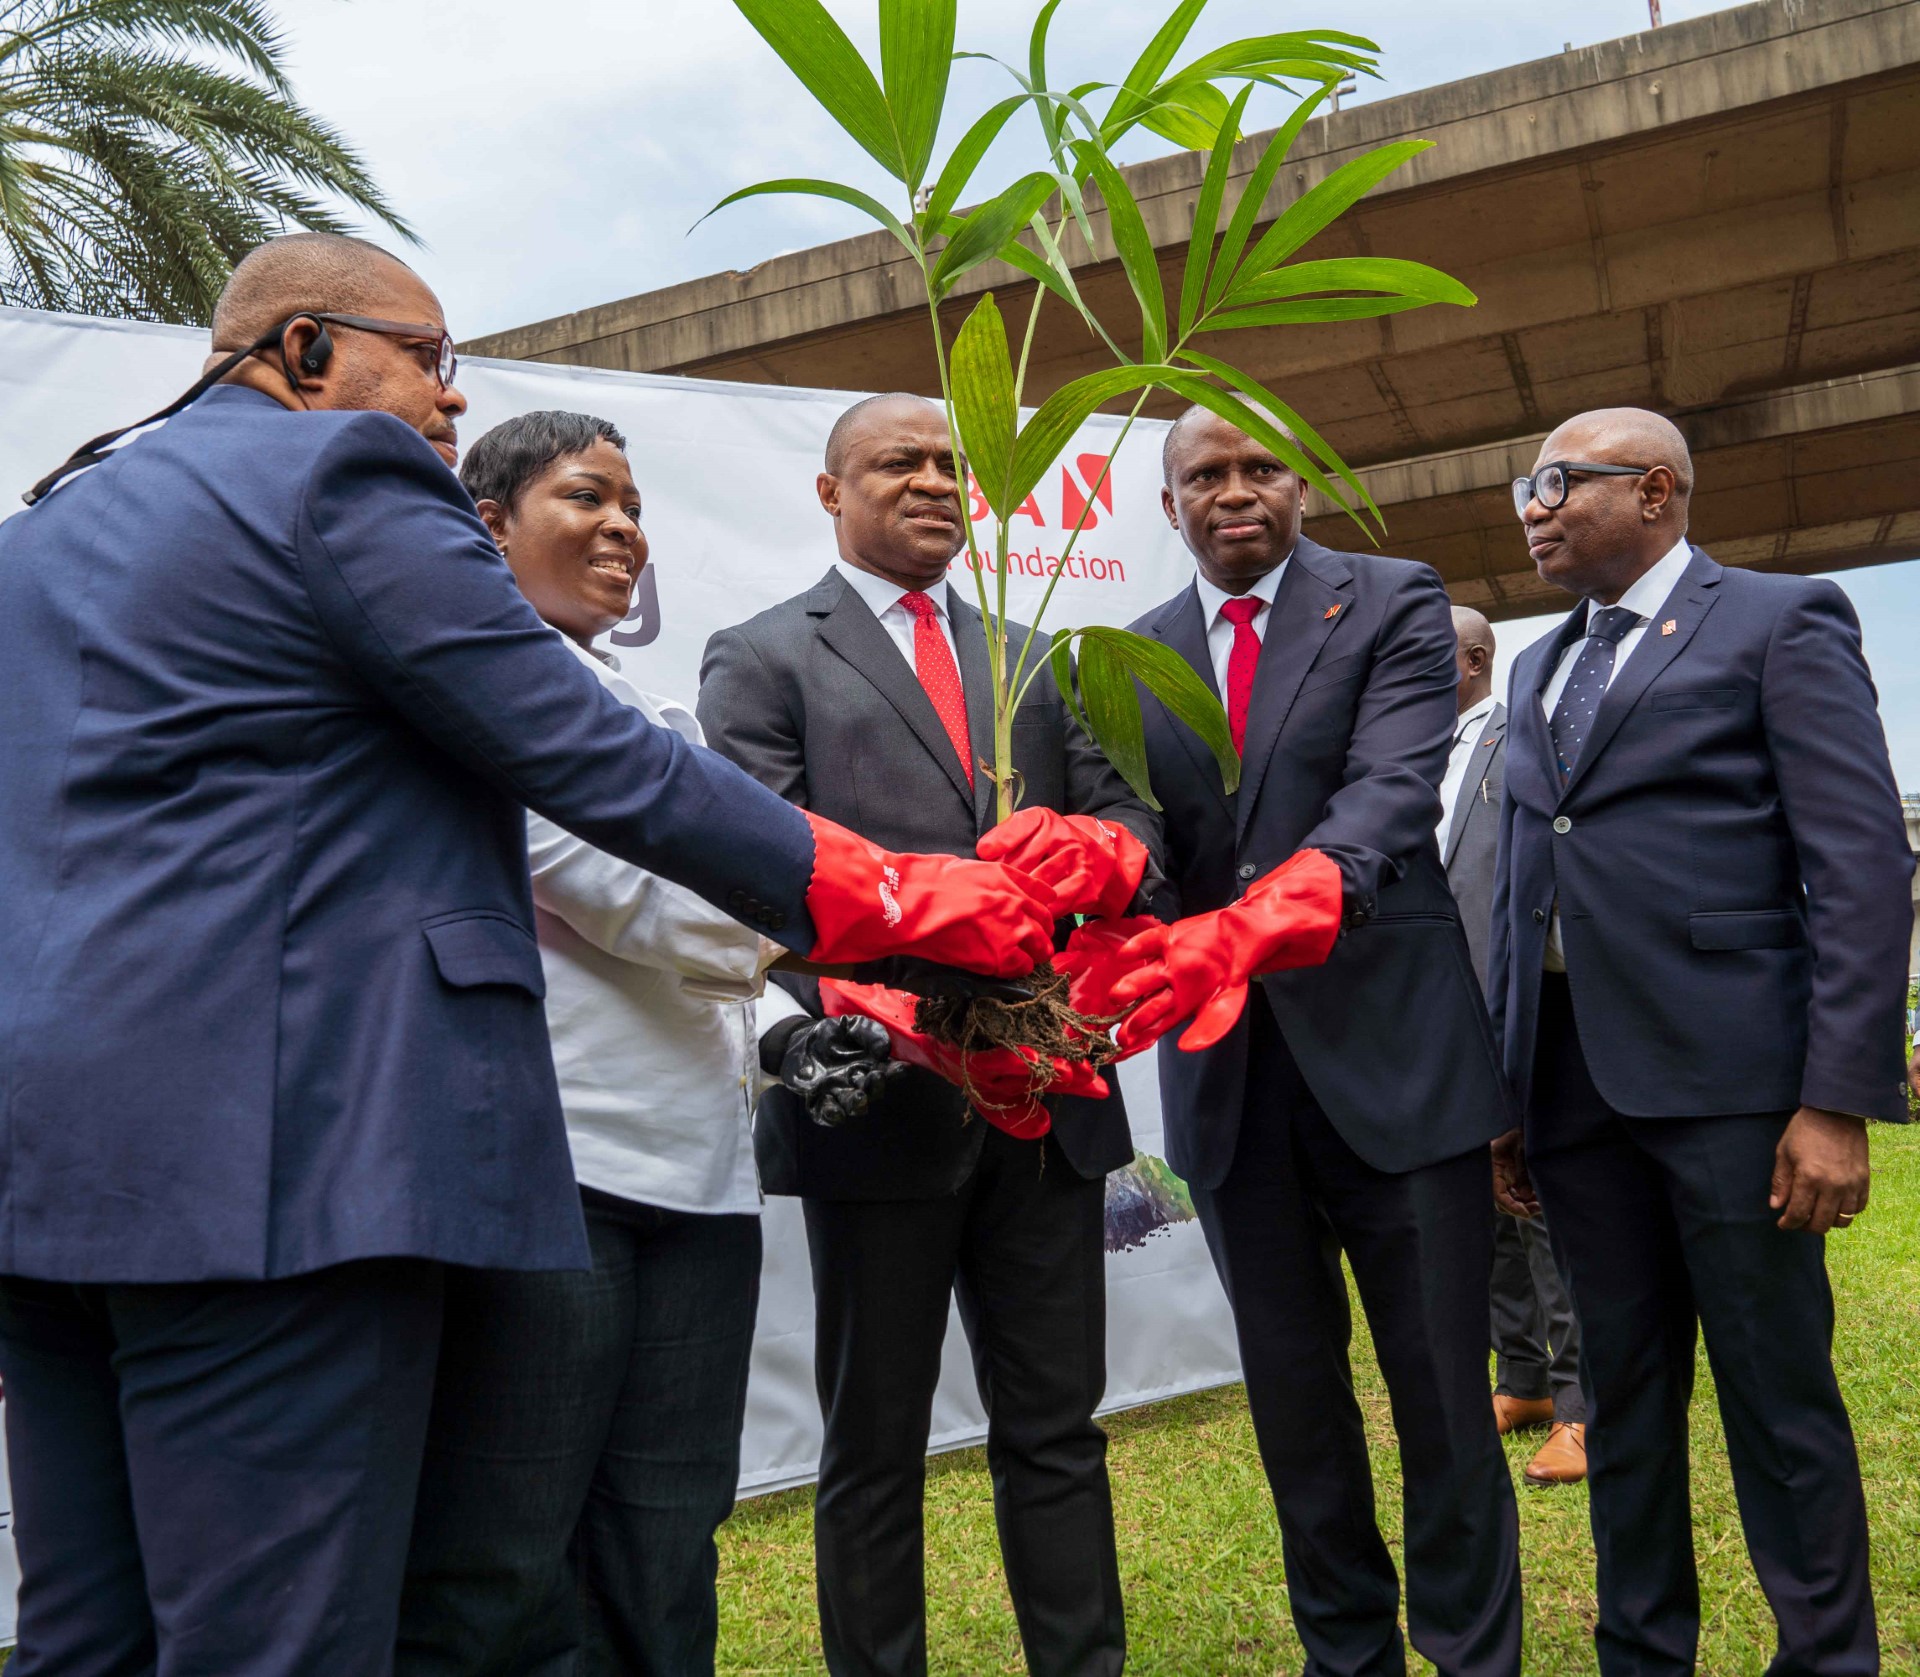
x=585, y=1439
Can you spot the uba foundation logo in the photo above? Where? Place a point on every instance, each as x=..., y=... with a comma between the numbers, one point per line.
x=1085, y=493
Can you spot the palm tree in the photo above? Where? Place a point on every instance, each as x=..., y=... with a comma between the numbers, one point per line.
x=146, y=145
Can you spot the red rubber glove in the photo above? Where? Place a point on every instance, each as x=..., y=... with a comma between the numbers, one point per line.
x=1091, y=866
x=1202, y=965
x=1093, y=962
x=867, y=902
x=1003, y=1078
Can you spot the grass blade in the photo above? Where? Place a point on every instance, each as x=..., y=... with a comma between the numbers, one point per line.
x=1137, y=255
x=1386, y=274
x=1206, y=213
x=1063, y=413
x=965, y=159
x=1259, y=184
x=1050, y=121
x=979, y=236
x=1060, y=655
x=916, y=57
x=1178, y=686
x=1307, y=215
x=1113, y=713
x=816, y=49
x=824, y=189
x=982, y=379
x=1135, y=93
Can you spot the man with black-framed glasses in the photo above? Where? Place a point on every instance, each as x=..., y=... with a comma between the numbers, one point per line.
x=1698, y=973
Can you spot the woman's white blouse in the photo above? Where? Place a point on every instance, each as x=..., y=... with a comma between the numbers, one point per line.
x=650, y=1004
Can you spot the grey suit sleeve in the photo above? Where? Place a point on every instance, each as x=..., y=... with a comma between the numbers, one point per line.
x=1829, y=756
x=750, y=718
x=414, y=598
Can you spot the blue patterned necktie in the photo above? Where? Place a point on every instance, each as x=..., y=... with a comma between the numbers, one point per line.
x=1572, y=718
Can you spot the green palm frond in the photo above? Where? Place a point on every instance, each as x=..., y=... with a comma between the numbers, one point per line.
x=146, y=145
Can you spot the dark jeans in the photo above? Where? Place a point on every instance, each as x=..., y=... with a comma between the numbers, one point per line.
x=1022, y=1242
x=1296, y=1197
x=216, y=1477
x=1659, y=1224
x=584, y=1448
x=1536, y=1338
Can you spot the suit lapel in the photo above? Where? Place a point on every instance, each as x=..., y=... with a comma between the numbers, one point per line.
x=1685, y=608
x=1491, y=733
x=976, y=683
x=1309, y=608
x=855, y=633
x=1182, y=627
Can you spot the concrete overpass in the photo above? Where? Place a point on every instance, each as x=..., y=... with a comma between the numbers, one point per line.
x=1719, y=219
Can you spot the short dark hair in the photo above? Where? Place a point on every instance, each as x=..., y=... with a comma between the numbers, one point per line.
x=510, y=456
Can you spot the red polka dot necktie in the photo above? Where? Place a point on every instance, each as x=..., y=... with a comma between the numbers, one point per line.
x=939, y=675
x=1241, y=662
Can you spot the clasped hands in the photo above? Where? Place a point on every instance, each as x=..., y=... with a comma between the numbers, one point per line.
x=1143, y=975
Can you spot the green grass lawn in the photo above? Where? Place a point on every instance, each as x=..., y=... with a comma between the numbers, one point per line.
x=1200, y=1553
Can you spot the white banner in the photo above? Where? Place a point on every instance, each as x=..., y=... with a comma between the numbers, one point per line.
x=726, y=474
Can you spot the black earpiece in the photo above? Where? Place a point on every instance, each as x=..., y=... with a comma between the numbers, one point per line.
x=314, y=358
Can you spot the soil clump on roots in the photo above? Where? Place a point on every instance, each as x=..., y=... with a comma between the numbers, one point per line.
x=1047, y=1023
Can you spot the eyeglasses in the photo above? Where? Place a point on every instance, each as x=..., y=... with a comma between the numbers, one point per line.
x=1549, y=485
x=446, y=365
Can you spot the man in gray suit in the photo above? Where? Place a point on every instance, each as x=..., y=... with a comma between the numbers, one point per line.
x=869, y=697
x=1536, y=1340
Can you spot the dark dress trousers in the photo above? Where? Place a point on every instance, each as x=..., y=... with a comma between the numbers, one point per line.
x=1732, y=877
x=271, y=1035
x=917, y=1198
x=1350, y=1111
x=1536, y=1338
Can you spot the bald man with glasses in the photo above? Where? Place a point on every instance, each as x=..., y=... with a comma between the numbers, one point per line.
x=1698, y=972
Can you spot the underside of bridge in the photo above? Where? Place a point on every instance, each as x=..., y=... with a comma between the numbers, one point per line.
x=1719, y=219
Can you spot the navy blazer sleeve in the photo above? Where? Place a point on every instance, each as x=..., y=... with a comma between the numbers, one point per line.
x=1836, y=785
x=414, y=597
x=1389, y=803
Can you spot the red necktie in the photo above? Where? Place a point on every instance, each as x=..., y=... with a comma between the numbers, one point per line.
x=1241, y=662
x=939, y=675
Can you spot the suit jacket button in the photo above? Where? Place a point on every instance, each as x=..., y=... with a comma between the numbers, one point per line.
x=775, y=920
x=737, y=901
x=1247, y=870
x=1562, y=824
x=1539, y=916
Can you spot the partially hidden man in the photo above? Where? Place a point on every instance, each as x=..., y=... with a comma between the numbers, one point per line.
x=868, y=698
x=1699, y=967
x=272, y=1049
x=1350, y=1108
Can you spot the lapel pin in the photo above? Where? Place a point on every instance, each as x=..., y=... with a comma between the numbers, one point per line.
x=1331, y=613
x=1670, y=625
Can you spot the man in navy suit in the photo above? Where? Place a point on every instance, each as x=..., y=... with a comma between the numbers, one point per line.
x=1698, y=971
x=272, y=1048
x=1350, y=1108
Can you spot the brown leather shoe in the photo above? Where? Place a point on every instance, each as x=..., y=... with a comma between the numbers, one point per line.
x=1563, y=1458
x=1512, y=1414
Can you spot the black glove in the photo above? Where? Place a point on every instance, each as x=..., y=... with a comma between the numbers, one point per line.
x=838, y=1067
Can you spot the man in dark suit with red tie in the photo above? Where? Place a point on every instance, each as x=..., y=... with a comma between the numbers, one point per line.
x=870, y=697
x=1350, y=1108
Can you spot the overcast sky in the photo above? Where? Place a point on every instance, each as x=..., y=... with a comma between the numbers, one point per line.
x=553, y=155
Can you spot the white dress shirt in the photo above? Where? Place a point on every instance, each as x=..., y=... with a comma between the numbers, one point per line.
x=1220, y=630
x=883, y=600
x=649, y=1003
x=1466, y=738
x=1647, y=595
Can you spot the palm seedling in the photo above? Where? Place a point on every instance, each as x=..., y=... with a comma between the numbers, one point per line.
x=1231, y=280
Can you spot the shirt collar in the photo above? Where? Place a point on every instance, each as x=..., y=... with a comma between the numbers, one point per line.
x=1650, y=590
x=1473, y=714
x=1212, y=598
x=881, y=595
